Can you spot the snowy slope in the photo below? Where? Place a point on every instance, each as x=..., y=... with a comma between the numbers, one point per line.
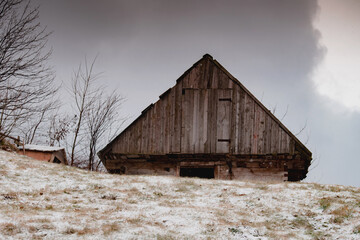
x=41, y=200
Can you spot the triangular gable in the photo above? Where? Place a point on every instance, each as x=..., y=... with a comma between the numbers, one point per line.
x=151, y=134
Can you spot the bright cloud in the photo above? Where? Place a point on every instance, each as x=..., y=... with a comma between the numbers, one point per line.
x=338, y=76
x=339, y=83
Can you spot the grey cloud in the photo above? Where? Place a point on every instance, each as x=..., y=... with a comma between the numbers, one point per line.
x=144, y=46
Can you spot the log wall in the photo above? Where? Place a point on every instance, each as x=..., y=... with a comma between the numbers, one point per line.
x=221, y=170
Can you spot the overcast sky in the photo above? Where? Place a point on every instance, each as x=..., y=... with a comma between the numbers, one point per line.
x=301, y=55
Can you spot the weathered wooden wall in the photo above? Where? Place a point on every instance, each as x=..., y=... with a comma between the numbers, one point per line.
x=209, y=117
x=205, y=112
x=221, y=170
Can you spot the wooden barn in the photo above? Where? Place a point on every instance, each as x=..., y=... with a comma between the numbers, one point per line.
x=208, y=125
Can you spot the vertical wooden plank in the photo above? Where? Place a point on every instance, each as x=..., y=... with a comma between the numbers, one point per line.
x=172, y=120
x=224, y=80
x=149, y=132
x=157, y=128
x=234, y=122
x=292, y=146
x=210, y=70
x=144, y=133
x=268, y=134
x=213, y=99
x=256, y=125
x=199, y=144
x=220, y=79
x=163, y=117
x=190, y=121
x=183, y=123
x=215, y=78
x=223, y=121
x=153, y=129
x=195, y=122
x=284, y=143
x=206, y=74
x=185, y=81
x=131, y=139
x=126, y=143
x=261, y=142
x=287, y=143
x=249, y=118
x=193, y=77
x=205, y=148
x=279, y=140
x=242, y=133
x=274, y=137
x=178, y=118
x=187, y=121
x=168, y=119
x=230, y=83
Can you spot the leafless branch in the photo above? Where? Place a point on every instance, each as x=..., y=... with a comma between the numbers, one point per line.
x=26, y=82
x=287, y=109
x=302, y=129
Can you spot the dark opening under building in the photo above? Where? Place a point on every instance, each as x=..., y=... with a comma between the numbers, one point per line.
x=208, y=125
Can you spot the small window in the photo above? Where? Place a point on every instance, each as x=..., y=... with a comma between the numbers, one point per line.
x=56, y=160
x=207, y=172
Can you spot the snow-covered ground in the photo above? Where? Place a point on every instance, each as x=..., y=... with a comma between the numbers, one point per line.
x=41, y=200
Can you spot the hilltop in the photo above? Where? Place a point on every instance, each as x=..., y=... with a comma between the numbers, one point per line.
x=48, y=201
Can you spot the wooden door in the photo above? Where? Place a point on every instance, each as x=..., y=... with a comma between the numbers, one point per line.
x=223, y=120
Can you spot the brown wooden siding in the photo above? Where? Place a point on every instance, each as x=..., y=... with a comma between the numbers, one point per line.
x=205, y=112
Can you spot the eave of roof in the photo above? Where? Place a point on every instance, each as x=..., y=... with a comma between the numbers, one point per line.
x=40, y=148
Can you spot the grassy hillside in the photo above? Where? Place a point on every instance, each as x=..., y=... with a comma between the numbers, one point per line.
x=48, y=201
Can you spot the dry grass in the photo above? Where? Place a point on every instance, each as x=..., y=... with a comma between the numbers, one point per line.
x=109, y=228
x=10, y=229
x=356, y=229
x=64, y=202
x=340, y=214
x=325, y=203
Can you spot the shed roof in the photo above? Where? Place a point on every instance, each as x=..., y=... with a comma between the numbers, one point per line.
x=41, y=148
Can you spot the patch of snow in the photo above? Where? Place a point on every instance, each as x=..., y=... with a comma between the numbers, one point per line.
x=51, y=201
x=40, y=148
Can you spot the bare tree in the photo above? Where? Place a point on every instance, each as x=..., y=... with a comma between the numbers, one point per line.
x=101, y=117
x=58, y=128
x=26, y=82
x=84, y=96
x=34, y=122
x=95, y=112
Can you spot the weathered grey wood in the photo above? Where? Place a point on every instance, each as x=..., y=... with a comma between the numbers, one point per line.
x=242, y=132
x=178, y=118
x=208, y=111
x=249, y=118
x=213, y=119
x=256, y=125
x=235, y=122
x=261, y=136
x=214, y=80
x=223, y=125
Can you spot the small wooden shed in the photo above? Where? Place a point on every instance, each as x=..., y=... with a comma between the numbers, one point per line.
x=44, y=153
x=208, y=125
